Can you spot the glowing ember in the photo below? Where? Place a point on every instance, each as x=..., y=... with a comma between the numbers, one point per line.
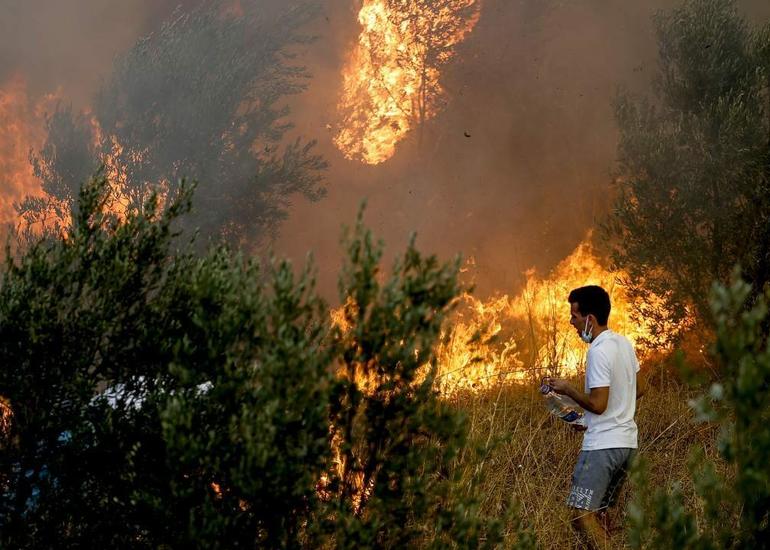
x=6, y=417
x=391, y=81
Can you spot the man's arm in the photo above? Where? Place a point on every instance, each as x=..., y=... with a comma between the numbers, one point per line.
x=595, y=402
x=641, y=384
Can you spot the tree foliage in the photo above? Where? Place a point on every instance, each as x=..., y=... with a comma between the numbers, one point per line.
x=201, y=98
x=735, y=507
x=694, y=185
x=388, y=424
x=164, y=398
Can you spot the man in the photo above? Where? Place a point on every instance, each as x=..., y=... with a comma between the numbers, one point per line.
x=609, y=399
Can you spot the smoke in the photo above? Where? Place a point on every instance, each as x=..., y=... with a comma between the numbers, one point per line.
x=514, y=171
x=69, y=45
x=199, y=98
x=52, y=52
x=517, y=169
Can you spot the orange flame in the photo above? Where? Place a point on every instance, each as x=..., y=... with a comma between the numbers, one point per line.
x=391, y=80
x=529, y=335
x=477, y=352
x=526, y=336
x=23, y=129
x=6, y=418
x=121, y=199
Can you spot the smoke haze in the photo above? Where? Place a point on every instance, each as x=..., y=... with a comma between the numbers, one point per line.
x=514, y=170
x=517, y=169
x=70, y=44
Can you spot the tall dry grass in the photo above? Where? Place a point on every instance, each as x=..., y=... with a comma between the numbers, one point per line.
x=528, y=455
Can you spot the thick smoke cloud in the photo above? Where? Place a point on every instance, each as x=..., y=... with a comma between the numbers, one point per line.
x=533, y=87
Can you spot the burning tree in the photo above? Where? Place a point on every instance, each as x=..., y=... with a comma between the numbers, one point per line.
x=695, y=164
x=391, y=82
x=68, y=156
x=198, y=99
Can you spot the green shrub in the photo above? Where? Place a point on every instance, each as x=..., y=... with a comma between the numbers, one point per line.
x=736, y=506
x=694, y=173
x=394, y=437
x=166, y=399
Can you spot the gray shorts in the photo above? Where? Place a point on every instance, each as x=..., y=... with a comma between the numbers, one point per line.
x=597, y=478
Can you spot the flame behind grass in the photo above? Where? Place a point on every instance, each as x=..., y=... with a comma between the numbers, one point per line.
x=527, y=336
x=523, y=337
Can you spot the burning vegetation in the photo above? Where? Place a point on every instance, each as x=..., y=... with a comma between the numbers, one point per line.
x=391, y=86
x=22, y=124
x=523, y=337
x=346, y=432
x=178, y=106
x=391, y=80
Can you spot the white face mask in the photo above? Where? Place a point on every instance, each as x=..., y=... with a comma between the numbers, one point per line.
x=587, y=335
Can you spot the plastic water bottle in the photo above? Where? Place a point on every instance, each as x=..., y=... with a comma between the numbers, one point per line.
x=562, y=406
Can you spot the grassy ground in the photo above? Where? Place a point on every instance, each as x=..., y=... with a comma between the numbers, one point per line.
x=532, y=454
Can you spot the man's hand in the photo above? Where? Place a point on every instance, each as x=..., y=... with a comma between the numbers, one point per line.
x=559, y=385
x=595, y=402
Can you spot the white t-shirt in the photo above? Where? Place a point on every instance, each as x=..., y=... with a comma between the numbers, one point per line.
x=612, y=362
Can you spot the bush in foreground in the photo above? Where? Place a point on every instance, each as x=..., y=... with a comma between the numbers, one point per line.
x=166, y=399
x=735, y=507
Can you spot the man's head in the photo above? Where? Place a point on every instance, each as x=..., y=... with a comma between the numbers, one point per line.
x=589, y=308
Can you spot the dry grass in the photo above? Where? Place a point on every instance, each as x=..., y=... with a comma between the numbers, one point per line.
x=531, y=454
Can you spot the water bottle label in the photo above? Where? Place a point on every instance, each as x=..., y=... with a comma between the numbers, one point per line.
x=571, y=416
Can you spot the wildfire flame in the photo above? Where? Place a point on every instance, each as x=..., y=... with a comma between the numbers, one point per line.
x=528, y=335
x=122, y=197
x=6, y=418
x=391, y=80
x=477, y=352
x=22, y=124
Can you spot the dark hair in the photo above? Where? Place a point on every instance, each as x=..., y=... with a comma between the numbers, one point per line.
x=592, y=299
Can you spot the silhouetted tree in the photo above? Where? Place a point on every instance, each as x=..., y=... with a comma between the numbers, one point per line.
x=198, y=99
